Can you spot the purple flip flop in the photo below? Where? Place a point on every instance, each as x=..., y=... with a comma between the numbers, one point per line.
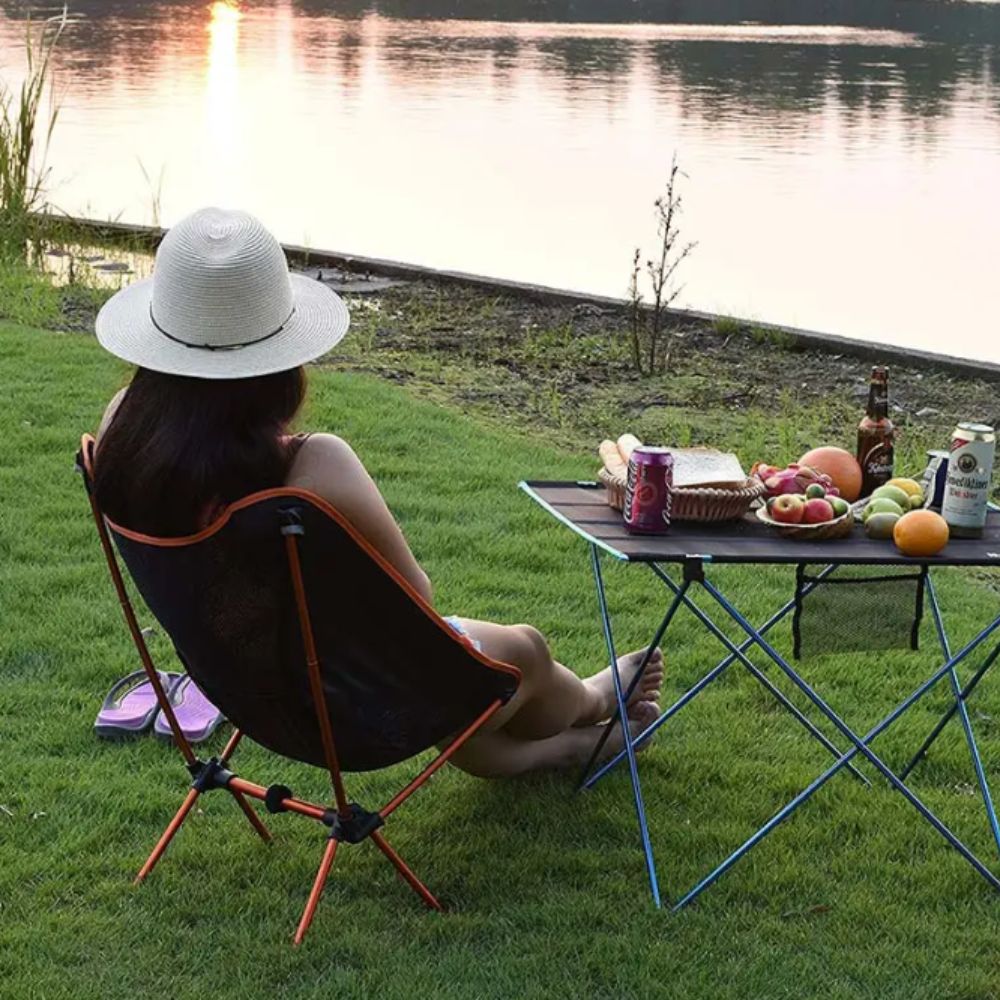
x=196, y=715
x=131, y=706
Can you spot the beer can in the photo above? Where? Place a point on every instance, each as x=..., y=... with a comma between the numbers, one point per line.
x=934, y=478
x=648, y=491
x=970, y=472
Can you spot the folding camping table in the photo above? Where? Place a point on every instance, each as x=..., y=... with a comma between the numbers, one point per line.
x=689, y=550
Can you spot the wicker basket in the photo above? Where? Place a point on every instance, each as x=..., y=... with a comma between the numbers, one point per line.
x=694, y=503
x=839, y=527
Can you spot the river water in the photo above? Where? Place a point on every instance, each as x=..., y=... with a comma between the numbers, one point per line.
x=841, y=160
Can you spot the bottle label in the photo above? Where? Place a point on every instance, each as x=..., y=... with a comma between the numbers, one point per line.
x=876, y=464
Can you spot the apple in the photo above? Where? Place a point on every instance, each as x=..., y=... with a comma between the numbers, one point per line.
x=815, y=491
x=816, y=510
x=840, y=506
x=789, y=508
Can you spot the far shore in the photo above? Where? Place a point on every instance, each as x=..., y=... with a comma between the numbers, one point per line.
x=148, y=237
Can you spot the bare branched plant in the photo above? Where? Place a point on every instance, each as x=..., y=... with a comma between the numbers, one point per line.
x=652, y=338
x=25, y=136
x=155, y=194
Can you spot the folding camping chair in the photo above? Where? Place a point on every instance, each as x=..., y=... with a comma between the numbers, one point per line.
x=313, y=646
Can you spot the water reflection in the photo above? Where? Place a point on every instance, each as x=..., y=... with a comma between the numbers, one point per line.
x=222, y=93
x=839, y=157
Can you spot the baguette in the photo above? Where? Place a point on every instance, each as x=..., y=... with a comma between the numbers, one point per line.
x=612, y=459
x=627, y=443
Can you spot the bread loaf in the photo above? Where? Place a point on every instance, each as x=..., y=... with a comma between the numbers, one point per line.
x=612, y=459
x=627, y=443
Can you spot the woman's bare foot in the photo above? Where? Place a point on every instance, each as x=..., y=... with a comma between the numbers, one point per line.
x=602, y=685
x=640, y=716
x=499, y=755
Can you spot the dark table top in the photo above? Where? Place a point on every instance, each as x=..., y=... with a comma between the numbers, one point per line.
x=582, y=507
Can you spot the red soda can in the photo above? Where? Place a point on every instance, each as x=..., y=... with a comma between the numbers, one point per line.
x=648, y=491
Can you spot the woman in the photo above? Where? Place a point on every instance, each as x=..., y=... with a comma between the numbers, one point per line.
x=220, y=335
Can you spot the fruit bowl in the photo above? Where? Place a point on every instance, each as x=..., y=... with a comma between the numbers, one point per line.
x=839, y=527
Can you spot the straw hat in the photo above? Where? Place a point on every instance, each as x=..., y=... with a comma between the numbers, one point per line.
x=221, y=304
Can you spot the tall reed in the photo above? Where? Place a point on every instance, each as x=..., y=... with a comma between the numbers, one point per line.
x=24, y=137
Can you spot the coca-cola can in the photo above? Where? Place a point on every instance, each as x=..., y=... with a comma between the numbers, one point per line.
x=648, y=491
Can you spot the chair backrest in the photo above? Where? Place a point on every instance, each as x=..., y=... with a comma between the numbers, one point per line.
x=396, y=678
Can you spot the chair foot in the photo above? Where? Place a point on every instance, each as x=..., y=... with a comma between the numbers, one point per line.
x=168, y=834
x=407, y=875
x=317, y=890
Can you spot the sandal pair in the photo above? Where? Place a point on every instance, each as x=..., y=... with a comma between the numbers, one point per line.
x=131, y=709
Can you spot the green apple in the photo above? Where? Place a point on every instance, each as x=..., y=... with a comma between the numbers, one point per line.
x=840, y=506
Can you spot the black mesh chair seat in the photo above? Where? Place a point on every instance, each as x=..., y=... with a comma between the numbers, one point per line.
x=397, y=679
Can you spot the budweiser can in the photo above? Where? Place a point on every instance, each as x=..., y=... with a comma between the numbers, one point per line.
x=648, y=491
x=970, y=471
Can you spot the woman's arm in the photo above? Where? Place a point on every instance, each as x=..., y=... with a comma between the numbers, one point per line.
x=327, y=466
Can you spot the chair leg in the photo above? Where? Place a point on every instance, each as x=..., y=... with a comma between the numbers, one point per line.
x=255, y=821
x=400, y=865
x=168, y=834
x=317, y=890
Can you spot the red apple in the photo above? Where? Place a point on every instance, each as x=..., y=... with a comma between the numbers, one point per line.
x=789, y=508
x=816, y=511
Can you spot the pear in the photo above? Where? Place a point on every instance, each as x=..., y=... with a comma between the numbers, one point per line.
x=894, y=493
x=881, y=525
x=883, y=505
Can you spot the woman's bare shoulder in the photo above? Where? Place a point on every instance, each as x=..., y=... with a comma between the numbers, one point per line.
x=109, y=413
x=322, y=461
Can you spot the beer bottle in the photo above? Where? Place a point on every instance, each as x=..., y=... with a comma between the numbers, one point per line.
x=875, y=434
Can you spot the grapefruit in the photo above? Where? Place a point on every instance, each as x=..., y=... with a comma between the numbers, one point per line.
x=920, y=533
x=840, y=465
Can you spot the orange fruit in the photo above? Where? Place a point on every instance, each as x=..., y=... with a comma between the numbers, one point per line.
x=920, y=533
x=841, y=466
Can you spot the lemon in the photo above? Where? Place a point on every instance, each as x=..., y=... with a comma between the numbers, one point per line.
x=908, y=486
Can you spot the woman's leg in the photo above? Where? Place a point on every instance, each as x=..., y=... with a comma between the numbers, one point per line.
x=498, y=754
x=551, y=698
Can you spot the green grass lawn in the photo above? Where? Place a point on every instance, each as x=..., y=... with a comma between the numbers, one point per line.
x=854, y=897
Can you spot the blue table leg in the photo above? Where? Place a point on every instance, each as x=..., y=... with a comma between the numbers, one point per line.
x=640, y=809
x=719, y=669
x=947, y=717
x=860, y=746
x=738, y=652
x=963, y=714
x=807, y=792
x=585, y=782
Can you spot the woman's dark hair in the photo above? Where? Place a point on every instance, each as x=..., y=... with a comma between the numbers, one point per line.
x=179, y=448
